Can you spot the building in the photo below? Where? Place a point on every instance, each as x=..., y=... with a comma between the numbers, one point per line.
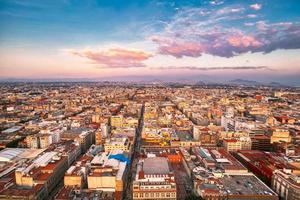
x=236, y=187
x=196, y=132
x=42, y=140
x=217, y=175
x=154, y=179
x=116, y=121
x=98, y=137
x=47, y=170
x=228, y=123
x=108, y=171
x=280, y=135
x=264, y=164
x=76, y=175
x=205, y=136
x=13, y=155
x=117, y=143
x=235, y=144
x=184, y=139
x=85, y=137
x=286, y=184
x=261, y=142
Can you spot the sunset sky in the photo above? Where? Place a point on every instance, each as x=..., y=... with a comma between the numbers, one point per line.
x=217, y=39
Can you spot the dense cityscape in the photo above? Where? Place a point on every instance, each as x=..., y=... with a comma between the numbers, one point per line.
x=149, y=100
x=120, y=141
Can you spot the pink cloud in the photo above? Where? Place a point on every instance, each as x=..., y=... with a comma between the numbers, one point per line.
x=256, y=6
x=243, y=41
x=177, y=48
x=214, y=43
x=115, y=57
x=192, y=34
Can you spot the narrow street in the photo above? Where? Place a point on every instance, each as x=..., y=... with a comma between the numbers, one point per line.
x=127, y=192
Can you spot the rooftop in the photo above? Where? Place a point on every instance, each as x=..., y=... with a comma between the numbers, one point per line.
x=245, y=185
x=9, y=154
x=156, y=165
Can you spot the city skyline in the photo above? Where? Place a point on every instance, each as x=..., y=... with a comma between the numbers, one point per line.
x=198, y=40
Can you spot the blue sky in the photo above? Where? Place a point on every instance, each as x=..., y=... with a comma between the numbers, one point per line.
x=99, y=38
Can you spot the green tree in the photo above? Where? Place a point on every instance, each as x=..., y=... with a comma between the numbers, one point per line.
x=192, y=196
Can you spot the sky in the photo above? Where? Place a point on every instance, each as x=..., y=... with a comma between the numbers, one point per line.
x=213, y=40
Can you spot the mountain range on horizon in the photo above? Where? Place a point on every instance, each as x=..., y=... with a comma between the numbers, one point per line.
x=198, y=80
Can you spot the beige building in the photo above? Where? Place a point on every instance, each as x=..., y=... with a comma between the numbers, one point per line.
x=98, y=137
x=47, y=169
x=154, y=180
x=74, y=177
x=107, y=174
x=235, y=144
x=117, y=143
x=85, y=137
x=39, y=141
x=280, y=135
x=286, y=184
x=116, y=121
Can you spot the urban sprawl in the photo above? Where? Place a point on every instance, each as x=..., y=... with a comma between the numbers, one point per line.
x=120, y=141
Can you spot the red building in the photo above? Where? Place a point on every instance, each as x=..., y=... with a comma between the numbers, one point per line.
x=263, y=164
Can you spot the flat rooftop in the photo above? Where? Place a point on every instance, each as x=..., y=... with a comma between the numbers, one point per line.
x=245, y=185
x=156, y=165
x=10, y=154
x=184, y=136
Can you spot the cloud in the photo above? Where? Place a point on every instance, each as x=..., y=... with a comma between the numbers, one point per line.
x=243, y=41
x=193, y=32
x=251, y=16
x=114, y=57
x=177, y=48
x=216, y=2
x=256, y=6
x=249, y=24
x=215, y=68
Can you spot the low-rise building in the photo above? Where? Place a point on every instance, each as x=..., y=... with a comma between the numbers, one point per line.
x=235, y=144
x=154, y=179
x=108, y=172
x=286, y=184
x=117, y=143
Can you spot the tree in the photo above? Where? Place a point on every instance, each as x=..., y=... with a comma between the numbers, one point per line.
x=192, y=196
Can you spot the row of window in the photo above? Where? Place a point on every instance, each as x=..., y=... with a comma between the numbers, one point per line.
x=155, y=194
x=157, y=187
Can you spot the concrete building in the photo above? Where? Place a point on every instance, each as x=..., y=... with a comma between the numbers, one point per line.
x=85, y=137
x=107, y=173
x=76, y=175
x=117, y=143
x=235, y=144
x=154, y=179
x=47, y=170
x=116, y=121
x=261, y=142
x=42, y=140
x=280, y=135
x=286, y=184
